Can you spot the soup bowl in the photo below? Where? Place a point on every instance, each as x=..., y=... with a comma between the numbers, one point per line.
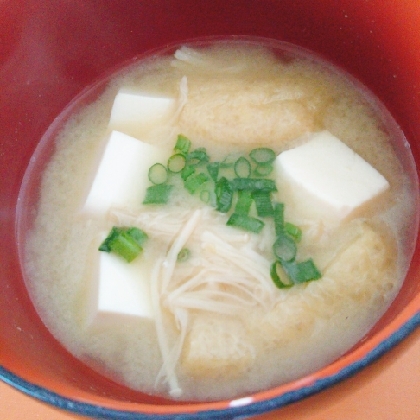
x=51, y=51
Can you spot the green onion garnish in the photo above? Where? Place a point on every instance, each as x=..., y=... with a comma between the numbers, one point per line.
x=194, y=182
x=229, y=161
x=263, y=203
x=262, y=155
x=242, y=168
x=294, y=231
x=138, y=235
x=234, y=185
x=125, y=242
x=187, y=171
x=276, y=278
x=263, y=169
x=224, y=195
x=183, y=255
x=243, y=205
x=254, y=184
x=157, y=194
x=176, y=163
x=182, y=145
x=244, y=222
x=213, y=170
x=205, y=196
x=302, y=272
x=197, y=156
x=278, y=217
x=284, y=248
x=158, y=174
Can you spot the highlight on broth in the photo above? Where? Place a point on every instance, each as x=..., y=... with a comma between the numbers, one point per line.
x=221, y=220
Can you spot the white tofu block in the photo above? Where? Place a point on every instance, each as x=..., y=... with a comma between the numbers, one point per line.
x=120, y=291
x=121, y=177
x=135, y=107
x=325, y=179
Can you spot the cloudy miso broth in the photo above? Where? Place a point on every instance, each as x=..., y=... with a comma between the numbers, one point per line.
x=212, y=308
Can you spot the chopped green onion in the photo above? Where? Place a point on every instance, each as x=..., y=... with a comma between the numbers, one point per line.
x=195, y=181
x=125, y=246
x=302, y=272
x=243, y=205
x=242, y=168
x=254, y=184
x=197, y=156
x=224, y=195
x=263, y=169
x=284, y=248
x=263, y=203
x=183, y=255
x=205, y=196
x=229, y=161
x=213, y=170
x=158, y=174
x=138, y=235
x=294, y=231
x=278, y=217
x=244, y=222
x=182, y=145
x=235, y=177
x=105, y=245
x=276, y=278
x=176, y=163
x=187, y=171
x=262, y=155
x=125, y=242
x=157, y=194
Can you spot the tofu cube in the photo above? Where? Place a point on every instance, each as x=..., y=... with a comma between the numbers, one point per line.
x=132, y=106
x=324, y=179
x=119, y=292
x=121, y=177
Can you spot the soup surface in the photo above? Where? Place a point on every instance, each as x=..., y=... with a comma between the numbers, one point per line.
x=212, y=319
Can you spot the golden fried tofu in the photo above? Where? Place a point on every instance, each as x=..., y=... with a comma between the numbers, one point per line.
x=240, y=111
x=217, y=347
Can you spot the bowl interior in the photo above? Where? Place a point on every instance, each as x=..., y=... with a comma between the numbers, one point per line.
x=47, y=60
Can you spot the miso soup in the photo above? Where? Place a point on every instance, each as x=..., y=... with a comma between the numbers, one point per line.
x=275, y=200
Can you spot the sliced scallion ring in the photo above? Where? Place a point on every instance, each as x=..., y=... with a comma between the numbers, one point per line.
x=229, y=161
x=176, y=163
x=205, y=196
x=242, y=168
x=195, y=181
x=294, y=231
x=284, y=248
x=243, y=205
x=124, y=241
x=263, y=169
x=262, y=155
x=187, y=171
x=213, y=170
x=254, y=184
x=158, y=174
x=278, y=212
x=138, y=235
x=183, y=255
x=224, y=195
x=157, y=194
x=301, y=272
x=244, y=222
x=277, y=280
x=263, y=203
x=182, y=145
x=197, y=156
